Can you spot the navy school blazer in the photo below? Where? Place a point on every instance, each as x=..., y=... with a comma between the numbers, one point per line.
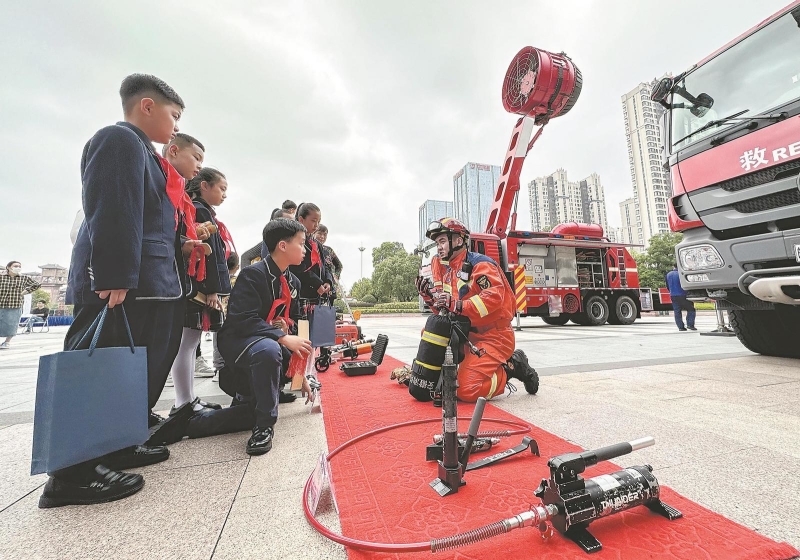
x=256, y=289
x=128, y=239
x=218, y=279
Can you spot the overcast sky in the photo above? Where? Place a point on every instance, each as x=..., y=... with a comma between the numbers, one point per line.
x=366, y=108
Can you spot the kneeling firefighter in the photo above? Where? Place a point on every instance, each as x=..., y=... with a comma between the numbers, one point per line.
x=473, y=287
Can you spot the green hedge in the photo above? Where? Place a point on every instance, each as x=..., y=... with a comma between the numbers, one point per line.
x=413, y=305
x=375, y=311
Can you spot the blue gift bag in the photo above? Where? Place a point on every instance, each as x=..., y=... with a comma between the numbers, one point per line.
x=89, y=402
x=322, y=326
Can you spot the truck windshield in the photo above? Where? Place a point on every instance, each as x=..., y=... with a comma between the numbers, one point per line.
x=758, y=74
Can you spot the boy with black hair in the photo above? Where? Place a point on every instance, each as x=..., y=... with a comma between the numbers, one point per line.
x=186, y=154
x=127, y=252
x=260, y=314
x=289, y=207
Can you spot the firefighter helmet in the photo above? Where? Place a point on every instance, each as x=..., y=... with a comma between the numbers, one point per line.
x=450, y=226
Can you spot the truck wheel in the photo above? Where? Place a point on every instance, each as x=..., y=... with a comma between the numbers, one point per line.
x=771, y=333
x=624, y=311
x=557, y=321
x=596, y=310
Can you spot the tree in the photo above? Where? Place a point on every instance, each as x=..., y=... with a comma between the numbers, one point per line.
x=361, y=288
x=387, y=250
x=40, y=295
x=654, y=264
x=394, y=278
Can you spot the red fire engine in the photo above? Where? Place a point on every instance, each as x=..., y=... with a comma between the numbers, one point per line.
x=573, y=272
x=732, y=143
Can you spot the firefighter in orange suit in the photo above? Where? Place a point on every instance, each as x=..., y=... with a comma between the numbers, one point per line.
x=474, y=285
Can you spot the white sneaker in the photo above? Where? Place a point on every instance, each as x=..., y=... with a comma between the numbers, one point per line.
x=169, y=382
x=202, y=369
x=4, y=346
x=215, y=379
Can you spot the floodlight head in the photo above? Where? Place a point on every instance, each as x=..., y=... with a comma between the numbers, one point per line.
x=541, y=85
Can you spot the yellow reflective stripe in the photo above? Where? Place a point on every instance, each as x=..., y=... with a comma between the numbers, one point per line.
x=437, y=283
x=479, y=305
x=448, y=288
x=493, y=387
x=434, y=338
x=423, y=364
x=461, y=283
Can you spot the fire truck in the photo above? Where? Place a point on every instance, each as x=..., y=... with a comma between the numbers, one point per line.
x=572, y=272
x=731, y=135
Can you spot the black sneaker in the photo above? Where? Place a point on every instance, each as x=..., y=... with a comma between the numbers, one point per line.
x=106, y=486
x=284, y=397
x=682, y=330
x=692, y=329
x=261, y=441
x=519, y=368
x=135, y=457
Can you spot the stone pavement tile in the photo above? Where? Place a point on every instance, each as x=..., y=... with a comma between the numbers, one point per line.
x=598, y=425
x=16, y=482
x=746, y=424
x=16, y=443
x=755, y=487
x=178, y=514
x=203, y=451
x=739, y=376
x=299, y=441
x=734, y=393
x=792, y=408
x=14, y=398
x=272, y=527
x=647, y=375
x=782, y=367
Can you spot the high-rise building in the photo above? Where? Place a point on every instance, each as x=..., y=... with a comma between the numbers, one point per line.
x=473, y=193
x=650, y=180
x=629, y=232
x=554, y=200
x=432, y=210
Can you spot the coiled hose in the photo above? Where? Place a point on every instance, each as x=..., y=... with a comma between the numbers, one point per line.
x=535, y=516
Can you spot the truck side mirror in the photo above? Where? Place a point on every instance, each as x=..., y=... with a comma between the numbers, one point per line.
x=661, y=90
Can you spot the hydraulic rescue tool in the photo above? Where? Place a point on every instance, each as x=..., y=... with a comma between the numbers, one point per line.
x=579, y=501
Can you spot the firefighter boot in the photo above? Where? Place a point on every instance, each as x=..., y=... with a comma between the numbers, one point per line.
x=519, y=368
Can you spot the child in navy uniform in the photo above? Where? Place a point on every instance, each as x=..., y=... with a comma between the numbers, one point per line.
x=125, y=253
x=257, y=329
x=311, y=272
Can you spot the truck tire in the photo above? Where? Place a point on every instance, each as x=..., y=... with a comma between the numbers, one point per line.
x=596, y=310
x=624, y=312
x=559, y=321
x=771, y=333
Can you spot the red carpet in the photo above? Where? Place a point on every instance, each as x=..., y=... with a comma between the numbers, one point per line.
x=381, y=487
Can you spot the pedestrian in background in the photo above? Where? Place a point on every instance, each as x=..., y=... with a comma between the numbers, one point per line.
x=333, y=265
x=679, y=302
x=13, y=288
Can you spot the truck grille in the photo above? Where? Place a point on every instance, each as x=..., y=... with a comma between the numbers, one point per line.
x=761, y=177
x=768, y=202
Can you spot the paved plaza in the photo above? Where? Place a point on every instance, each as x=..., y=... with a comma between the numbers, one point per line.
x=726, y=423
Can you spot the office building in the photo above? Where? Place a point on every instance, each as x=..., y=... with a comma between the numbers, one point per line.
x=432, y=210
x=474, y=187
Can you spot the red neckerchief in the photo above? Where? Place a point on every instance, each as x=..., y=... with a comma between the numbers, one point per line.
x=184, y=209
x=285, y=299
x=315, y=260
x=225, y=234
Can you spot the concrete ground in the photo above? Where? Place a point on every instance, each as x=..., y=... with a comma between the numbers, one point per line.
x=726, y=422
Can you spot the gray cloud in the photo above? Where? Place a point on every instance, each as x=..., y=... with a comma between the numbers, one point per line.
x=366, y=108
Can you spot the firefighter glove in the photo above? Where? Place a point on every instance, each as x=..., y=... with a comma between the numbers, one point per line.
x=447, y=301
